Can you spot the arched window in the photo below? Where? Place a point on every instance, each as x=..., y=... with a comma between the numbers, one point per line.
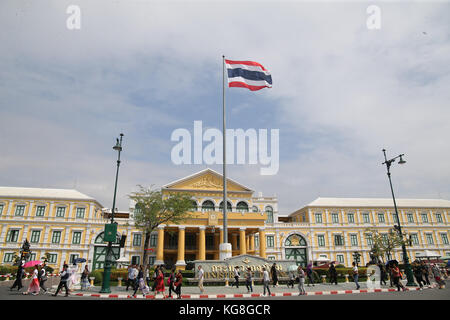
x=269, y=211
x=208, y=205
x=296, y=249
x=255, y=209
x=229, y=207
x=194, y=206
x=242, y=207
x=99, y=239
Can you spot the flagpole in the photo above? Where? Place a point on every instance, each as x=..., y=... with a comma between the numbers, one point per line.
x=225, y=204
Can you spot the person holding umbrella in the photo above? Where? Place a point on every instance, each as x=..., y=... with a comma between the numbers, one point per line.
x=34, y=284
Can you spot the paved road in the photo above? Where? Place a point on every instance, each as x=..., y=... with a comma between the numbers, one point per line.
x=427, y=294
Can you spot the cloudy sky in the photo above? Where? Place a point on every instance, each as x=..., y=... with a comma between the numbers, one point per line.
x=341, y=93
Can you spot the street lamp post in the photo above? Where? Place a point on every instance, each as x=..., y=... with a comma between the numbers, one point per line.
x=356, y=256
x=408, y=270
x=111, y=229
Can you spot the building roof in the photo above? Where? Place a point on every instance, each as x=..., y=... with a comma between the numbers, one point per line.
x=202, y=172
x=379, y=202
x=43, y=193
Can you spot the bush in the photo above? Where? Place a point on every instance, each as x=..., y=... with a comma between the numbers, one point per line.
x=98, y=275
x=8, y=269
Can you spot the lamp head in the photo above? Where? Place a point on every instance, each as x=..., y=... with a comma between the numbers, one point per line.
x=401, y=161
x=117, y=147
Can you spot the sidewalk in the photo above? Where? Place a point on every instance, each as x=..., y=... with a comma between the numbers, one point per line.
x=214, y=292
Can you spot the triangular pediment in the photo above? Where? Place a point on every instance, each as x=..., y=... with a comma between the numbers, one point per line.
x=208, y=180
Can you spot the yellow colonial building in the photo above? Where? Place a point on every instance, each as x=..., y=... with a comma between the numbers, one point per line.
x=68, y=225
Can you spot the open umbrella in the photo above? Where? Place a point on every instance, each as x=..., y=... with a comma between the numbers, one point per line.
x=80, y=260
x=32, y=263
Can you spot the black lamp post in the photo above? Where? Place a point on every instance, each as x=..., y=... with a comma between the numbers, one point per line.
x=408, y=270
x=356, y=256
x=111, y=229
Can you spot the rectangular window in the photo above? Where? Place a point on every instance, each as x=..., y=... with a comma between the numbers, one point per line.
x=73, y=257
x=340, y=258
x=60, y=212
x=1, y=208
x=52, y=257
x=153, y=240
x=444, y=238
x=137, y=239
x=35, y=236
x=395, y=216
x=80, y=212
x=13, y=235
x=338, y=240
x=366, y=218
x=414, y=239
x=354, y=239
x=410, y=217
x=20, y=210
x=439, y=218
x=135, y=260
x=429, y=237
x=271, y=257
x=318, y=218
x=384, y=238
x=351, y=218
x=151, y=260
x=8, y=257
x=424, y=218
x=369, y=239
x=40, y=210
x=56, y=236
x=76, y=237
x=321, y=240
x=381, y=218
x=335, y=218
x=270, y=241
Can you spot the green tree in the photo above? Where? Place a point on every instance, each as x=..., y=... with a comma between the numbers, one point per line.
x=153, y=209
x=384, y=244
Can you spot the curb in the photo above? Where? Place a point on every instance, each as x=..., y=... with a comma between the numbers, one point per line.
x=241, y=295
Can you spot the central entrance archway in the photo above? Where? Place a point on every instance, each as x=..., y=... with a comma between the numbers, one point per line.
x=295, y=249
x=100, y=247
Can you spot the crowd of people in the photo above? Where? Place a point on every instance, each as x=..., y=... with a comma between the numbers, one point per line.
x=69, y=277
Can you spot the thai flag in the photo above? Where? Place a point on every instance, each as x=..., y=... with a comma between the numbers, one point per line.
x=248, y=74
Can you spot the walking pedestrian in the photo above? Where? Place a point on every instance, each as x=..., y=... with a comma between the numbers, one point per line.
x=417, y=270
x=200, y=278
x=248, y=280
x=309, y=274
x=34, y=284
x=178, y=283
x=42, y=277
x=291, y=279
x=155, y=275
x=397, y=275
x=170, y=282
x=160, y=282
x=85, y=278
x=382, y=273
x=333, y=274
x=437, y=276
x=147, y=275
x=19, y=275
x=273, y=273
x=140, y=283
x=266, y=281
x=301, y=281
x=425, y=272
x=236, y=277
x=131, y=279
x=355, y=275
x=63, y=282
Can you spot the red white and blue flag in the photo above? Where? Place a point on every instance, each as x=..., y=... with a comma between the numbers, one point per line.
x=248, y=74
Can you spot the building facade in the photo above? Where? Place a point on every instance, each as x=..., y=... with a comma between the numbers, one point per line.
x=67, y=225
